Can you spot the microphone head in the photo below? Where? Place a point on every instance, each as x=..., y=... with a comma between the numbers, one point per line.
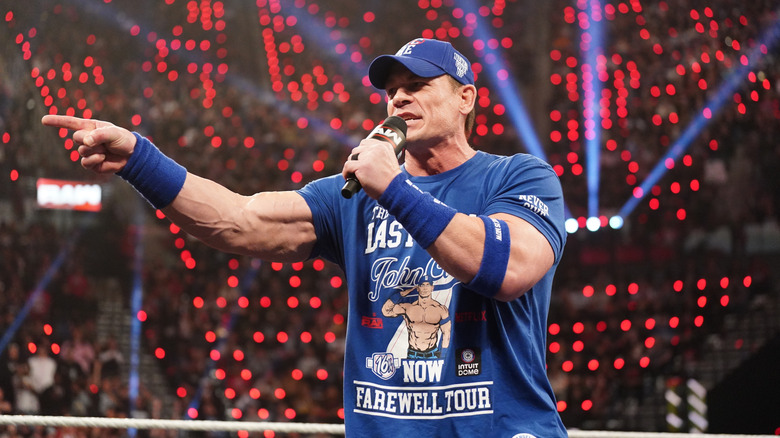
x=397, y=123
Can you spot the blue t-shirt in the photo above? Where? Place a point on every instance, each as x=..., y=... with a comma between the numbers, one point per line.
x=449, y=362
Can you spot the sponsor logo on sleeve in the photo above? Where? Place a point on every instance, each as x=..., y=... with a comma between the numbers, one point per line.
x=535, y=204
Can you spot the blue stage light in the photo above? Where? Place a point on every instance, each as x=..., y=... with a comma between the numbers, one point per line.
x=592, y=45
x=735, y=78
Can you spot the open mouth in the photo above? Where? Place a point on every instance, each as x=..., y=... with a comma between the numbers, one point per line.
x=408, y=117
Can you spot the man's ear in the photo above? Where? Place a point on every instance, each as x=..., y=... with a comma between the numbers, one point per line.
x=468, y=98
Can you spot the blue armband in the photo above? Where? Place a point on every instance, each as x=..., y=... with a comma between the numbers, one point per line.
x=495, y=258
x=422, y=215
x=156, y=177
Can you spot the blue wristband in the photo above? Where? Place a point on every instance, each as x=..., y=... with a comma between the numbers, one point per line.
x=156, y=177
x=495, y=258
x=422, y=215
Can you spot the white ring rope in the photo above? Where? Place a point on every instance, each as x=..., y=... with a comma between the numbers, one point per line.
x=146, y=423
x=612, y=434
x=259, y=426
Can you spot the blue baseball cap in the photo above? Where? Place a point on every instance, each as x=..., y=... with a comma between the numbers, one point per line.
x=426, y=58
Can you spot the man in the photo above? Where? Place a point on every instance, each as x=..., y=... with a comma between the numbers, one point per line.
x=492, y=225
x=424, y=318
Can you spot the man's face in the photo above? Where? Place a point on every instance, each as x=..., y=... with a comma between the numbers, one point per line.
x=425, y=289
x=430, y=106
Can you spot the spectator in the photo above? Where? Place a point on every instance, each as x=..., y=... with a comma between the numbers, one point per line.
x=79, y=350
x=27, y=401
x=110, y=359
x=42, y=369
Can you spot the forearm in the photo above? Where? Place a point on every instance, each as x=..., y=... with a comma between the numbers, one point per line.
x=461, y=247
x=458, y=249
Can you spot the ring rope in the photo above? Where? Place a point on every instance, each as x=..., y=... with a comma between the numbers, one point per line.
x=615, y=434
x=259, y=426
x=192, y=425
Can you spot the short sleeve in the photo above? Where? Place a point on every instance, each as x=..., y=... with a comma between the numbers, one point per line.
x=528, y=188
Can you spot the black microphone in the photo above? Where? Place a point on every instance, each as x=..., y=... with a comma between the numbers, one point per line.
x=391, y=130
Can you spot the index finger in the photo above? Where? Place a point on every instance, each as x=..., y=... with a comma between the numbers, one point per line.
x=68, y=122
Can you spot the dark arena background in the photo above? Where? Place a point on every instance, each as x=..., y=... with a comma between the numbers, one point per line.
x=662, y=119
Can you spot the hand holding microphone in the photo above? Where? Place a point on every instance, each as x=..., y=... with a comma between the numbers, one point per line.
x=391, y=130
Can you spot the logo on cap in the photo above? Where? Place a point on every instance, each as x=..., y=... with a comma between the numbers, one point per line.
x=407, y=49
x=461, y=65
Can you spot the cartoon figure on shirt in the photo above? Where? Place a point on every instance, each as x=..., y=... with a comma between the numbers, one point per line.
x=425, y=318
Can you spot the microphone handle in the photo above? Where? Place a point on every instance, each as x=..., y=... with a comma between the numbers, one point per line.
x=353, y=186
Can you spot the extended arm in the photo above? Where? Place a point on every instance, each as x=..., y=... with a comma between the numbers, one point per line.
x=273, y=226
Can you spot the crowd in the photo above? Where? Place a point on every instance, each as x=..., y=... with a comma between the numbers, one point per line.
x=727, y=191
x=225, y=335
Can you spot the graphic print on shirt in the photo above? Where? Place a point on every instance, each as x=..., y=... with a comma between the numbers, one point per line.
x=423, y=322
x=412, y=296
x=425, y=319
